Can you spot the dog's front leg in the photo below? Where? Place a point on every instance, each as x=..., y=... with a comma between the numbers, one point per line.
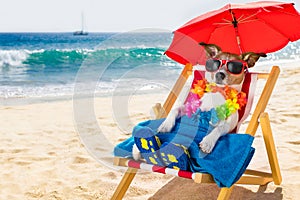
x=209, y=141
x=224, y=127
x=169, y=122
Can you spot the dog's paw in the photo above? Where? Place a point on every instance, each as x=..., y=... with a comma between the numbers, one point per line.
x=136, y=154
x=166, y=126
x=207, y=144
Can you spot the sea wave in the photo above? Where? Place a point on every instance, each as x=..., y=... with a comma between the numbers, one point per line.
x=57, y=57
x=13, y=57
x=75, y=57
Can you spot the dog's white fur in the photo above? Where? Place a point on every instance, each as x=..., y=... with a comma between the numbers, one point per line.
x=209, y=101
x=212, y=100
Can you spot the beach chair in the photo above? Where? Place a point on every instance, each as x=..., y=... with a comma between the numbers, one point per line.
x=259, y=117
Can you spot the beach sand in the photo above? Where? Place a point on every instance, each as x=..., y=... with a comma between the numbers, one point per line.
x=42, y=156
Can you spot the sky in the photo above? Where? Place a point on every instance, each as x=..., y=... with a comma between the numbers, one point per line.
x=104, y=15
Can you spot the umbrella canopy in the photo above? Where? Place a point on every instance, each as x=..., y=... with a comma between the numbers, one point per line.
x=260, y=27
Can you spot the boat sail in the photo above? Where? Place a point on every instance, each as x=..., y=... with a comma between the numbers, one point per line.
x=81, y=32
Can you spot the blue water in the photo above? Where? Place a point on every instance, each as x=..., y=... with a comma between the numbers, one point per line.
x=47, y=64
x=35, y=65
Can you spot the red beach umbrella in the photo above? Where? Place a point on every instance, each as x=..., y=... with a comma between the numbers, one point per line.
x=260, y=27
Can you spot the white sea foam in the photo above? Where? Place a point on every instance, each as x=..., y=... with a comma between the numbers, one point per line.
x=12, y=57
x=82, y=50
x=56, y=90
x=35, y=91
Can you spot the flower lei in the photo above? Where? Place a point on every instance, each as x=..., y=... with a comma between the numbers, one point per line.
x=234, y=100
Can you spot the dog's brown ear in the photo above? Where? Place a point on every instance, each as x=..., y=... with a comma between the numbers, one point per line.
x=211, y=49
x=251, y=58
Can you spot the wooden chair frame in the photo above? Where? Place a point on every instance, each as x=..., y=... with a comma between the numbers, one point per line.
x=259, y=117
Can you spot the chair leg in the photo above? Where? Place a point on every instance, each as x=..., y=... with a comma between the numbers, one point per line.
x=225, y=193
x=124, y=184
x=270, y=147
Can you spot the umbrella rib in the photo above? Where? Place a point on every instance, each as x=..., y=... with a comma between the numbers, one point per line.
x=245, y=19
x=226, y=20
x=239, y=19
x=253, y=20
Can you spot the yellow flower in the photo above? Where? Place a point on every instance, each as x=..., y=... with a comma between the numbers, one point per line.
x=232, y=105
x=209, y=87
x=198, y=90
x=231, y=93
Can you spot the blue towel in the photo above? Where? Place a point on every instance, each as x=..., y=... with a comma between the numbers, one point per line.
x=226, y=163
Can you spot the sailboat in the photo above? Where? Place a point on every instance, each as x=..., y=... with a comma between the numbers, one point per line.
x=81, y=32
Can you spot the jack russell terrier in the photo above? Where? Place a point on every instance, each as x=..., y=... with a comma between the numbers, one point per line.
x=222, y=69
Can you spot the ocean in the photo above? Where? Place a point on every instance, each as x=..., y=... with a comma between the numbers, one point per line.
x=43, y=66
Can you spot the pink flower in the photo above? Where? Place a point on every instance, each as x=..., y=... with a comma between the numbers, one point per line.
x=192, y=104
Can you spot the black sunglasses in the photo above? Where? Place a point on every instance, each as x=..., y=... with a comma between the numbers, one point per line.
x=235, y=67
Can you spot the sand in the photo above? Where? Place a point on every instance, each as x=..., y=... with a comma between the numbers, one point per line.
x=42, y=155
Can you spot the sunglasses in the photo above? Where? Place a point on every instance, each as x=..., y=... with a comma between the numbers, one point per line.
x=235, y=67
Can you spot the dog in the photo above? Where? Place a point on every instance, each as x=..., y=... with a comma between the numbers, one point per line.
x=222, y=68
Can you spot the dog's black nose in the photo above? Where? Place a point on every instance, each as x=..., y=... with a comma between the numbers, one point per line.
x=220, y=76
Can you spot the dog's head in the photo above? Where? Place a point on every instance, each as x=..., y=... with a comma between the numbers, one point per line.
x=226, y=68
